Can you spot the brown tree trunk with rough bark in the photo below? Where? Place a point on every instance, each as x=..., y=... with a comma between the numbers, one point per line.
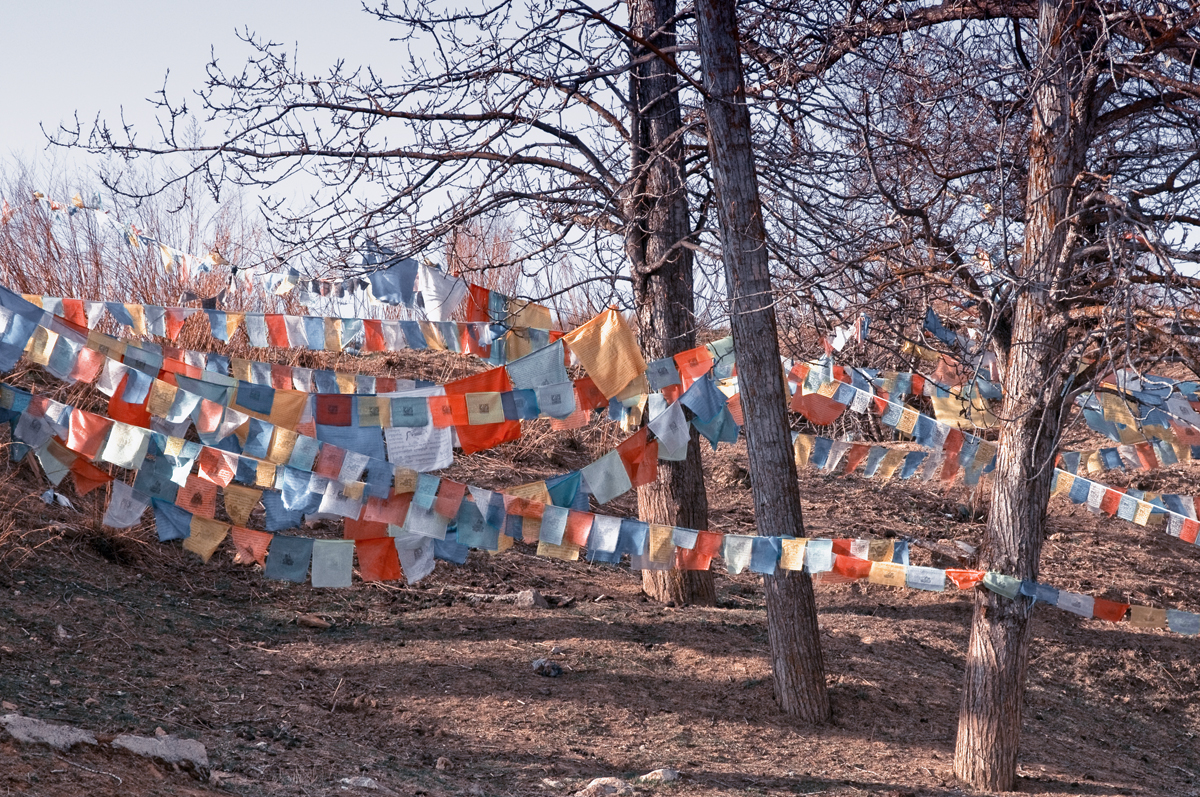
x=658, y=225
x=989, y=723
x=796, y=659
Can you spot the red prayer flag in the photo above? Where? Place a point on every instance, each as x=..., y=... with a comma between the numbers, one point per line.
x=1109, y=610
x=377, y=559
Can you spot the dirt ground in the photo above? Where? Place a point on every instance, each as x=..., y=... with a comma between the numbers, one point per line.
x=126, y=635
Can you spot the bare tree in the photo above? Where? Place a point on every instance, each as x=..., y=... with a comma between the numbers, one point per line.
x=1035, y=176
x=796, y=659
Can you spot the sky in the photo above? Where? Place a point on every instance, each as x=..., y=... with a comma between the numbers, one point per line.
x=90, y=58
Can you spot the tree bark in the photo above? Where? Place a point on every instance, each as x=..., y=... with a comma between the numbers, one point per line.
x=797, y=663
x=989, y=721
x=657, y=226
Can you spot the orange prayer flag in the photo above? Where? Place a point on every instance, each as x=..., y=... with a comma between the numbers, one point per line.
x=965, y=579
x=579, y=526
x=1188, y=533
x=215, y=465
x=377, y=559
x=1112, y=611
x=72, y=310
x=857, y=453
x=449, y=498
x=481, y=437
x=355, y=529
x=88, y=365
x=175, y=318
x=691, y=559
x=87, y=434
x=1145, y=454
x=709, y=543
x=588, y=396
x=842, y=546
x=124, y=411
x=277, y=334
x=1111, y=501
x=693, y=364
x=639, y=457
x=281, y=377
x=251, y=545
x=197, y=496
x=373, y=332
x=851, y=567
x=392, y=509
x=735, y=409
x=87, y=476
x=329, y=462
x=442, y=413
x=818, y=409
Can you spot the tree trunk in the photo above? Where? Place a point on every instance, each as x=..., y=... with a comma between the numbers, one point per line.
x=797, y=664
x=657, y=225
x=989, y=722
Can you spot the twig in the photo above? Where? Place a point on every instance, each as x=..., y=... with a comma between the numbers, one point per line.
x=89, y=769
x=335, y=694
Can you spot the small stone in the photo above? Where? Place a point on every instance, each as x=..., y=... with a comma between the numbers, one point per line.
x=442, y=764
x=661, y=776
x=62, y=633
x=602, y=787
x=547, y=668
x=361, y=782
x=530, y=599
x=312, y=621
x=557, y=650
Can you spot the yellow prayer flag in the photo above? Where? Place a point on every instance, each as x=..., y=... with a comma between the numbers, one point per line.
x=662, y=545
x=264, y=475
x=792, y=557
x=484, y=408
x=1143, y=513
x=803, y=447
x=41, y=345
x=232, y=322
x=881, y=550
x=138, y=313
x=377, y=411
x=1063, y=482
x=1147, y=617
x=433, y=337
x=282, y=443
x=527, y=314
x=239, y=369
x=908, y=420
x=891, y=460
x=889, y=574
x=606, y=348
x=162, y=398
x=534, y=491
x=347, y=383
x=333, y=334
x=404, y=480
x=205, y=536
x=240, y=502
x=568, y=551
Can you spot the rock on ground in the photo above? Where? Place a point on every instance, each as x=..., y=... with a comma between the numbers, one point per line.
x=530, y=599
x=661, y=776
x=170, y=749
x=603, y=787
x=61, y=737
